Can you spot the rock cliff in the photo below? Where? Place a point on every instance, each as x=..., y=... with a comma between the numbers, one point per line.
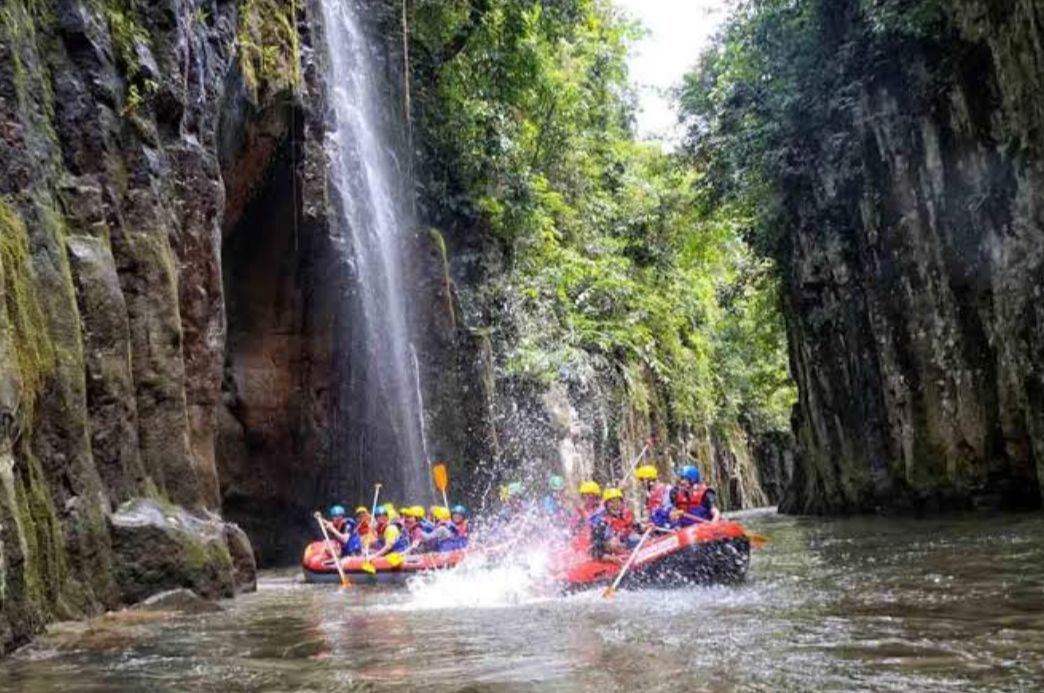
x=914, y=259
x=112, y=320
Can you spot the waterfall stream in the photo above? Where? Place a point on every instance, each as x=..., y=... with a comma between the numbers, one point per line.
x=383, y=415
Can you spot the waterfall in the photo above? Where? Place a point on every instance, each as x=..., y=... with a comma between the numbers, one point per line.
x=381, y=416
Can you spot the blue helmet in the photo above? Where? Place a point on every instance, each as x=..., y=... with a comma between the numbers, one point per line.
x=459, y=510
x=337, y=511
x=690, y=472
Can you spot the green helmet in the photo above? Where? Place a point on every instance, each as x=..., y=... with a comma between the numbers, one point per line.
x=556, y=483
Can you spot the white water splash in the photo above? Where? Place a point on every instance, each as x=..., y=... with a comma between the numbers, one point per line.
x=523, y=578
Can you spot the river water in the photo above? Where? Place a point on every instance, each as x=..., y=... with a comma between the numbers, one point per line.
x=872, y=604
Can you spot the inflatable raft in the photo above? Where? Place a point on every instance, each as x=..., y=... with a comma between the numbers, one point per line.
x=319, y=567
x=703, y=554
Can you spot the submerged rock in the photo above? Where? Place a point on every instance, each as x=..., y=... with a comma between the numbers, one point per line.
x=180, y=600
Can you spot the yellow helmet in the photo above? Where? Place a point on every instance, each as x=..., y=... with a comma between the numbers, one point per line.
x=440, y=513
x=646, y=472
x=360, y=510
x=590, y=488
x=611, y=493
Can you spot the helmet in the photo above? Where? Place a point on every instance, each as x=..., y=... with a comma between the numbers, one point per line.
x=646, y=472
x=417, y=511
x=612, y=493
x=556, y=483
x=337, y=511
x=360, y=510
x=590, y=488
x=392, y=514
x=690, y=472
x=384, y=510
x=440, y=513
x=459, y=510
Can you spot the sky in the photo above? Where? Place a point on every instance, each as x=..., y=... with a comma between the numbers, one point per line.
x=678, y=31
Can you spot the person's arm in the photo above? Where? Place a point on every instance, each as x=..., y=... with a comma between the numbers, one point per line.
x=391, y=535
x=712, y=507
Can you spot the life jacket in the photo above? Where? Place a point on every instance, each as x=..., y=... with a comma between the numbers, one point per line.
x=582, y=518
x=401, y=541
x=363, y=529
x=655, y=497
x=459, y=540
x=688, y=500
x=621, y=525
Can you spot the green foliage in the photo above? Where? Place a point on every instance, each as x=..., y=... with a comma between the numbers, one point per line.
x=615, y=259
x=268, y=43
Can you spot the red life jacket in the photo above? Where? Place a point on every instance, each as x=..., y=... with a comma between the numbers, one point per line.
x=620, y=525
x=654, y=499
x=688, y=500
x=582, y=518
x=363, y=529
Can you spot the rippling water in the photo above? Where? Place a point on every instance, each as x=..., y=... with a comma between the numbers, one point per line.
x=855, y=604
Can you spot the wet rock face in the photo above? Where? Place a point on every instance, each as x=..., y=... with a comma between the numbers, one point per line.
x=914, y=273
x=112, y=320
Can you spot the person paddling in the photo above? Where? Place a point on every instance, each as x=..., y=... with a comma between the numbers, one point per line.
x=555, y=506
x=389, y=536
x=590, y=504
x=690, y=500
x=614, y=531
x=340, y=528
x=459, y=521
x=653, y=490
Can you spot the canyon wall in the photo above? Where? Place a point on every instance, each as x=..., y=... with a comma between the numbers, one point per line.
x=914, y=259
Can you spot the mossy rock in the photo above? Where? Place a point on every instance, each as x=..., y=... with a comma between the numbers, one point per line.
x=160, y=547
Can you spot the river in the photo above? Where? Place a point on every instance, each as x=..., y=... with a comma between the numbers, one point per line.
x=877, y=604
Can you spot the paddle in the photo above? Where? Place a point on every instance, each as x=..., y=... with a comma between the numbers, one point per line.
x=329, y=547
x=441, y=481
x=376, y=495
x=611, y=589
x=636, y=460
x=758, y=541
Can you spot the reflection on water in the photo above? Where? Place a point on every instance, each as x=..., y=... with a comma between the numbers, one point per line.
x=854, y=604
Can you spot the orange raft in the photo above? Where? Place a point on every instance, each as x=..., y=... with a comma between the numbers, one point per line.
x=708, y=553
x=319, y=567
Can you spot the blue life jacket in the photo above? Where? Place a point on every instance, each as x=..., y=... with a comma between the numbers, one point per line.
x=454, y=543
x=661, y=517
x=425, y=526
x=401, y=544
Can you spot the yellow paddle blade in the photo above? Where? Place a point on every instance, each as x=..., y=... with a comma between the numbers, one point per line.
x=369, y=568
x=395, y=559
x=345, y=582
x=441, y=477
x=758, y=541
x=608, y=592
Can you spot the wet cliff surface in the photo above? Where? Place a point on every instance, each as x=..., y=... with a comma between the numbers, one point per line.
x=112, y=320
x=914, y=259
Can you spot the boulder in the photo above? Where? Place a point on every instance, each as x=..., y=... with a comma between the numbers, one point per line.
x=161, y=547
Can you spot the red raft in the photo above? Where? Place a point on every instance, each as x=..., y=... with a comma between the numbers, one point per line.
x=319, y=567
x=703, y=554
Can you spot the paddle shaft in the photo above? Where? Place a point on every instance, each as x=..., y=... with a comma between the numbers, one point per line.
x=376, y=495
x=329, y=547
x=634, y=464
x=629, y=563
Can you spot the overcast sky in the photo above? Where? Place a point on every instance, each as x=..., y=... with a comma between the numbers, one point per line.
x=678, y=31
